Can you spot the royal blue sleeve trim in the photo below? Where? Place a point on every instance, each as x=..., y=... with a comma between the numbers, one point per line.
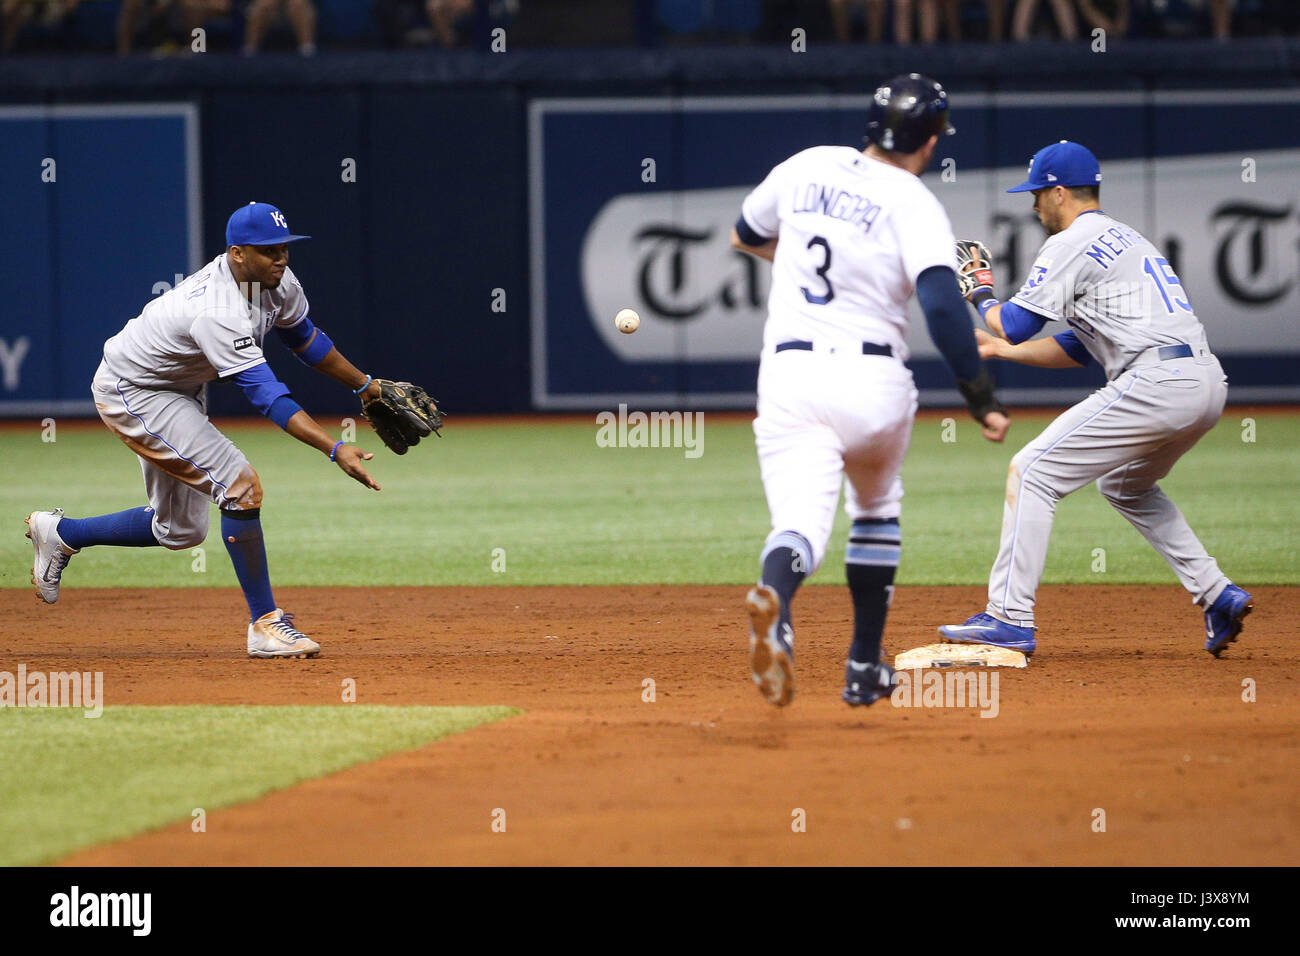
x=1073, y=347
x=283, y=409
x=948, y=320
x=261, y=387
x=319, y=348
x=1019, y=324
x=296, y=335
x=299, y=334
x=749, y=235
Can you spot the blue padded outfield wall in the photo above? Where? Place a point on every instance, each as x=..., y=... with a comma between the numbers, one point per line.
x=99, y=204
x=500, y=212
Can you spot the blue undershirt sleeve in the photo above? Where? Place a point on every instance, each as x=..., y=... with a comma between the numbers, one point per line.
x=298, y=335
x=267, y=394
x=749, y=235
x=1019, y=324
x=948, y=320
x=1069, y=341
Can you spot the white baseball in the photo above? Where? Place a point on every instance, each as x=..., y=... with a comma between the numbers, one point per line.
x=627, y=321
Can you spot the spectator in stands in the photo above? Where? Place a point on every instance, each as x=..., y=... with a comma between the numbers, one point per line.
x=302, y=17
x=1108, y=15
x=997, y=15
x=1022, y=21
x=927, y=11
x=1221, y=18
x=443, y=15
x=193, y=14
x=18, y=13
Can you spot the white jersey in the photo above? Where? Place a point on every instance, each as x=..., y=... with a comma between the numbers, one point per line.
x=1114, y=288
x=854, y=235
x=202, y=330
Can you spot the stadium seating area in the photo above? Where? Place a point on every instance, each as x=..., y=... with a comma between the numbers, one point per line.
x=161, y=27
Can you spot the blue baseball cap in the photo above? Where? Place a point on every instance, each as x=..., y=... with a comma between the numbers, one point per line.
x=258, y=224
x=1061, y=164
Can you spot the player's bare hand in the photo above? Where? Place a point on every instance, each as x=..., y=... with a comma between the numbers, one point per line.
x=995, y=426
x=990, y=346
x=349, y=458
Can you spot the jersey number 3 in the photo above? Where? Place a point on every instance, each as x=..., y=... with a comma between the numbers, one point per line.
x=826, y=264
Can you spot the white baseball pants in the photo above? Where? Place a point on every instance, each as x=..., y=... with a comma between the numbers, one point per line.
x=823, y=416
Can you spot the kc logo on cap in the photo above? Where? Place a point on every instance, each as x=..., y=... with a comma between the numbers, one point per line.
x=259, y=224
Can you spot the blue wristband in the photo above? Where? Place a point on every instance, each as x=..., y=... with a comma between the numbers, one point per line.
x=986, y=304
x=364, y=386
x=335, y=449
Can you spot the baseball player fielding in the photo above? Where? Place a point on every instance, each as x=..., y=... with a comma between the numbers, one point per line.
x=1128, y=311
x=150, y=392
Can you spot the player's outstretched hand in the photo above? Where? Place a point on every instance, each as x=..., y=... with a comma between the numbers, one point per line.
x=990, y=346
x=349, y=458
x=995, y=425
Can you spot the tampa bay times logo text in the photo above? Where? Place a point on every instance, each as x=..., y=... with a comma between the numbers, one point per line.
x=75, y=908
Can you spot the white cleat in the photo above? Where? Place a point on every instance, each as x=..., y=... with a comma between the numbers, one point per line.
x=771, y=655
x=271, y=635
x=52, y=555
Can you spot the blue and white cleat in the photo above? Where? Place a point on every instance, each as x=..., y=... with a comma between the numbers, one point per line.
x=864, y=684
x=987, y=629
x=1223, y=619
x=771, y=650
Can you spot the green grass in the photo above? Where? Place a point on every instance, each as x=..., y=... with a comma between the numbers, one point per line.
x=565, y=511
x=70, y=782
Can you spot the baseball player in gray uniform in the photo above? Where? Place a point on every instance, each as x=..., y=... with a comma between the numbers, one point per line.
x=1127, y=310
x=150, y=392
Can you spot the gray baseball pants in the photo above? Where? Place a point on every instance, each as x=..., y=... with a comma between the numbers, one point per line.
x=1126, y=436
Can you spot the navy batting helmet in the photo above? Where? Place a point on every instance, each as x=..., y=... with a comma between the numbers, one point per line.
x=907, y=111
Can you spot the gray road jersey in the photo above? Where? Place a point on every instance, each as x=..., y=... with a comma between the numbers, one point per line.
x=201, y=330
x=1114, y=288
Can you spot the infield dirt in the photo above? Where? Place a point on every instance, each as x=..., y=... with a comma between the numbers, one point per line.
x=1120, y=711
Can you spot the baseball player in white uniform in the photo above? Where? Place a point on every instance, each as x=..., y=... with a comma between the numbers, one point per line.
x=1125, y=308
x=150, y=392
x=850, y=235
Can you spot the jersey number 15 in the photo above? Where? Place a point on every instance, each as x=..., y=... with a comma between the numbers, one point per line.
x=1167, y=284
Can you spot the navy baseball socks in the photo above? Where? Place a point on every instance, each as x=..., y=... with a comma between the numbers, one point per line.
x=870, y=562
x=241, y=531
x=126, y=529
x=785, y=564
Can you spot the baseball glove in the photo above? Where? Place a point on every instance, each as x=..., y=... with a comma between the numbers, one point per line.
x=974, y=267
x=402, y=414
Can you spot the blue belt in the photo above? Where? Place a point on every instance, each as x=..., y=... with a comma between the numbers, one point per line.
x=868, y=348
x=1168, y=352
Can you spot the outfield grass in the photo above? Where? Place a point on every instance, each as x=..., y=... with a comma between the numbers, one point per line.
x=565, y=511
x=70, y=782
